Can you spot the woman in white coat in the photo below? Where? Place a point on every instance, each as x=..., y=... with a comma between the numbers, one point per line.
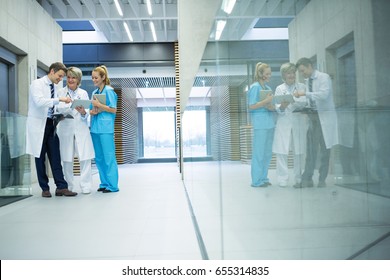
x=291, y=127
x=75, y=138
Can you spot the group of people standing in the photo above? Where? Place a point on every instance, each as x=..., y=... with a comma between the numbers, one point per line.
x=72, y=136
x=305, y=124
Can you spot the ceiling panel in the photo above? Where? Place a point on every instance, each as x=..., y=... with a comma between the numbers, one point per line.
x=104, y=16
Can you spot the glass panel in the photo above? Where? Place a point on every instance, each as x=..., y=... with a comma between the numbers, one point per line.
x=347, y=217
x=159, y=134
x=15, y=172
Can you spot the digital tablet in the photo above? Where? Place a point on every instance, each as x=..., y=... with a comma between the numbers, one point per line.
x=100, y=97
x=81, y=102
x=264, y=93
x=278, y=99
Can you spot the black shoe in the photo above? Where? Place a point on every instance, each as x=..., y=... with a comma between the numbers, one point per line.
x=307, y=184
x=101, y=189
x=109, y=191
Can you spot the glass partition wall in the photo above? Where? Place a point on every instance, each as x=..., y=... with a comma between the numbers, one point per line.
x=15, y=171
x=349, y=218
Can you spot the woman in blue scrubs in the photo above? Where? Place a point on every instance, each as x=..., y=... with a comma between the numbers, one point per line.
x=102, y=131
x=263, y=123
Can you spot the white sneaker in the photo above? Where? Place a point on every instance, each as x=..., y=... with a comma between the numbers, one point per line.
x=283, y=184
x=86, y=191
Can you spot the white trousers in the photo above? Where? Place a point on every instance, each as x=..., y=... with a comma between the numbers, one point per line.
x=85, y=175
x=282, y=168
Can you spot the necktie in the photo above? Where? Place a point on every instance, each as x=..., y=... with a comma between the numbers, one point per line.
x=51, y=110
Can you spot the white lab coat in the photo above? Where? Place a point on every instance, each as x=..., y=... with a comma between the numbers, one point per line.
x=290, y=124
x=39, y=102
x=74, y=131
x=322, y=94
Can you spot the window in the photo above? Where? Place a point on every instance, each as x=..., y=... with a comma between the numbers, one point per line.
x=159, y=132
x=194, y=133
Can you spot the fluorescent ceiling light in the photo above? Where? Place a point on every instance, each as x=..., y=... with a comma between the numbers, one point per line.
x=149, y=7
x=118, y=7
x=220, y=26
x=153, y=31
x=128, y=31
x=228, y=5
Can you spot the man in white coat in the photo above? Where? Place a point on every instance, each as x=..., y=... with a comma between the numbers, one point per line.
x=322, y=133
x=75, y=138
x=41, y=138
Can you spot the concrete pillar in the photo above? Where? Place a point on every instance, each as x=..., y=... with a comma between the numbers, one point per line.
x=195, y=20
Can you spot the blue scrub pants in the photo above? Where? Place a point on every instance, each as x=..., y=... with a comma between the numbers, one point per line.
x=261, y=155
x=105, y=159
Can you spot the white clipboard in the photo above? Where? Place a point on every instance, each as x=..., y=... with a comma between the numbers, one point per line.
x=81, y=102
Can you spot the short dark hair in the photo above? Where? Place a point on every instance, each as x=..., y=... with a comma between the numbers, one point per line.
x=304, y=61
x=57, y=66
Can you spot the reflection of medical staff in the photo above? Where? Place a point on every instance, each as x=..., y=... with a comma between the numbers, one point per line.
x=263, y=126
x=102, y=131
x=322, y=133
x=75, y=138
x=290, y=128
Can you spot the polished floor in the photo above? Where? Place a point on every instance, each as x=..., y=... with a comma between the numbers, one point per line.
x=147, y=219
x=150, y=218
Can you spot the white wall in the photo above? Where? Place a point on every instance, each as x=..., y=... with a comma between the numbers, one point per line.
x=28, y=31
x=322, y=24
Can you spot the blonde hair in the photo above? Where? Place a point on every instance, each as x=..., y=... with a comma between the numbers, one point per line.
x=260, y=67
x=75, y=73
x=102, y=71
x=287, y=67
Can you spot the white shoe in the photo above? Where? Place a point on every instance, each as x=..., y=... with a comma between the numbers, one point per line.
x=86, y=191
x=283, y=184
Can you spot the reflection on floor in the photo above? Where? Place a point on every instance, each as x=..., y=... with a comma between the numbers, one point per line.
x=5, y=200
x=150, y=219
x=241, y=222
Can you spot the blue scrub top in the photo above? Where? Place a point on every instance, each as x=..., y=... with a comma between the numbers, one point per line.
x=262, y=118
x=104, y=121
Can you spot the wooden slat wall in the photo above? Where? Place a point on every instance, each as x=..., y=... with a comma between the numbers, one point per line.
x=118, y=130
x=76, y=166
x=246, y=135
x=129, y=125
x=178, y=109
x=234, y=123
x=220, y=122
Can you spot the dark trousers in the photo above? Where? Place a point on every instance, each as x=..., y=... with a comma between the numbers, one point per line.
x=315, y=142
x=51, y=147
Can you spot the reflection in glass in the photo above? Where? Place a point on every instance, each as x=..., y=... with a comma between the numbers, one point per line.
x=349, y=216
x=15, y=171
